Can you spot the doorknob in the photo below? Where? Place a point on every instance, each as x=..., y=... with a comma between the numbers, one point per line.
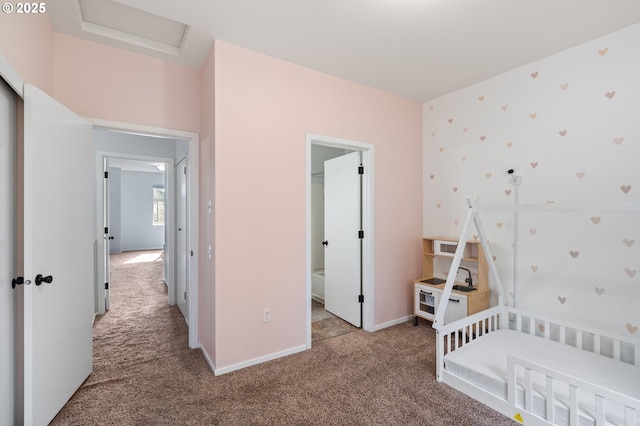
x=325, y=243
x=40, y=279
x=19, y=281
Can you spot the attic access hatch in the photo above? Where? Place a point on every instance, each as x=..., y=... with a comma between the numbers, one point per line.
x=133, y=26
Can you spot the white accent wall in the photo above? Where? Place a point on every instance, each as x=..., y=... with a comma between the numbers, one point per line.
x=568, y=124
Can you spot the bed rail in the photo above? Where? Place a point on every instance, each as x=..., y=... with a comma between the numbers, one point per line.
x=552, y=378
x=455, y=335
x=602, y=343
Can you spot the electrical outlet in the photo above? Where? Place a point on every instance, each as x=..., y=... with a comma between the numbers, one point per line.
x=267, y=315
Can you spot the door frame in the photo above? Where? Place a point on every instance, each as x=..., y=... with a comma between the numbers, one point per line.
x=192, y=208
x=10, y=405
x=367, y=153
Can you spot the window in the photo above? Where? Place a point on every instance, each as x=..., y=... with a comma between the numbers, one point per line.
x=158, y=205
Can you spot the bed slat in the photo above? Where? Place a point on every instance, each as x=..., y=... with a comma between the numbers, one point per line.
x=573, y=405
x=511, y=383
x=599, y=410
x=579, y=339
x=528, y=390
x=550, y=395
x=629, y=416
x=616, y=349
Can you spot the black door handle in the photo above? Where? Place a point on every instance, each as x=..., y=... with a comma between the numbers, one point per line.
x=19, y=281
x=325, y=243
x=111, y=238
x=40, y=279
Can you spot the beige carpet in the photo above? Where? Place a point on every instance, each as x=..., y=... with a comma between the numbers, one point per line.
x=325, y=325
x=144, y=374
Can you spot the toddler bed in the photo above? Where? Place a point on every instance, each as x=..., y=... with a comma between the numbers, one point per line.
x=535, y=369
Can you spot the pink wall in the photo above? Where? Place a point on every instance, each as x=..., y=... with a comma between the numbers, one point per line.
x=104, y=82
x=264, y=109
x=206, y=273
x=26, y=41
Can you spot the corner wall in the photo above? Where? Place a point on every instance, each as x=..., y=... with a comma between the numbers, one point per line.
x=207, y=300
x=568, y=125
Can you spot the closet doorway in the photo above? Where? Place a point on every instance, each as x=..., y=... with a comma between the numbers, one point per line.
x=339, y=237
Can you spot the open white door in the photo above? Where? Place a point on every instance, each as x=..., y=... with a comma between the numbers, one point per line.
x=106, y=243
x=181, y=238
x=342, y=218
x=57, y=254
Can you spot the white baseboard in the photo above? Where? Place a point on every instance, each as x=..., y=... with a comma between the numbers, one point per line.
x=256, y=361
x=392, y=323
x=208, y=358
x=317, y=298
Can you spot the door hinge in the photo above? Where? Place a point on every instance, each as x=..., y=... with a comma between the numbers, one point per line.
x=191, y=253
x=106, y=230
x=185, y=170
x=185, y=295
x=361, y=298
x=361, y=170
x=360, y=234
x=106, y=175
x=106, y=286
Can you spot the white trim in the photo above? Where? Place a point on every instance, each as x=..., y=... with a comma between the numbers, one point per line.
x=256, y=361
x=192, y=207
x=11, y=76
x=394, y=322
x=367, y=152
x=614, y=206
x=317, y=298
x=208, y=359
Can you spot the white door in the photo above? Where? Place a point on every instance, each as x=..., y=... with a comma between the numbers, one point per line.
x=342, y=218
x=181, y=237
x=106, y=243
x=57, y=241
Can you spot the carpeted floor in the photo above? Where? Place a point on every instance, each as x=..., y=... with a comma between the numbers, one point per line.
x=144, y=374
x=325, y=325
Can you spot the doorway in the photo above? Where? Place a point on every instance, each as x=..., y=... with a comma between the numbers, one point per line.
x=356, y=305
x=138, y=200
x=175, y=150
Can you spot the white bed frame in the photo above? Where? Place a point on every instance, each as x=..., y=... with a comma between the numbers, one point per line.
x=455, y=335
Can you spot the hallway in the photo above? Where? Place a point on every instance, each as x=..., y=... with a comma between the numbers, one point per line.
x=140, y=345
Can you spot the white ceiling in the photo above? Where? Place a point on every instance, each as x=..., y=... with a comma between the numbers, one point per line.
x=134, y=165
x=420, y=49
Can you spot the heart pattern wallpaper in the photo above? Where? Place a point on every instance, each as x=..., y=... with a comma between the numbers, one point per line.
x=568, y=128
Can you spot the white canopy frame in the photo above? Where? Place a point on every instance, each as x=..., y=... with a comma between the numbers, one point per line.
x=473, y=215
